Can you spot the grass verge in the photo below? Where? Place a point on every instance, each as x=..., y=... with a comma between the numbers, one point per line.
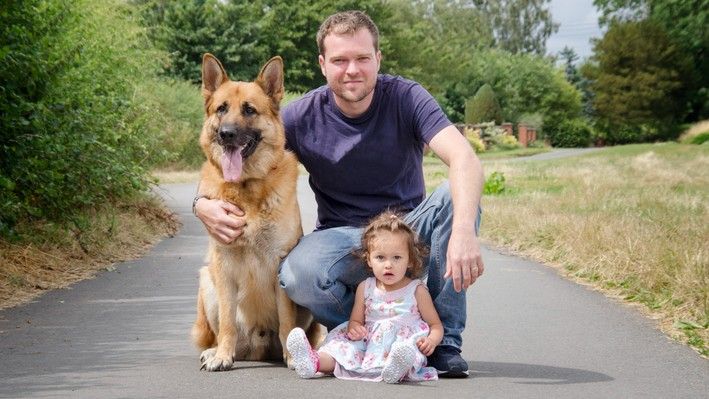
x=56, y=256
x=516, y=153
x=631, y=221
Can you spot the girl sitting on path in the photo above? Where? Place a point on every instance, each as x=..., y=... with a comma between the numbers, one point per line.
x=393, y=325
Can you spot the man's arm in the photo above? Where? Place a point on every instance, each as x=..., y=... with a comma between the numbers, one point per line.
x=464, y=262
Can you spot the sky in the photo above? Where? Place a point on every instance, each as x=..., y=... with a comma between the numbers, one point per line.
x=578, y=21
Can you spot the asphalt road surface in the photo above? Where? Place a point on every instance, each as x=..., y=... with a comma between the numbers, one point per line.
x=530, y=334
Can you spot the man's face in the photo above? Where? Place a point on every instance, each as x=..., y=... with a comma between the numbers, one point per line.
x=350, y=65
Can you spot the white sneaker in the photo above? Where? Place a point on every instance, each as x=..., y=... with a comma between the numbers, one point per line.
x=305, y=359
x=401, y=359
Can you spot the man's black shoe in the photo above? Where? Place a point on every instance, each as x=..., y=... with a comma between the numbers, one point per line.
x=448, y=362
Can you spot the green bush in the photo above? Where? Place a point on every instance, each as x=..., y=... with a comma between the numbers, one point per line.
x=483, y=107
x=494, y=184
x=522, y=83
x=641, y=133
x=173, y=113
x=71, y=132
x=505, y=142
x=474, y=139
x=571, y=133
x=701, y=138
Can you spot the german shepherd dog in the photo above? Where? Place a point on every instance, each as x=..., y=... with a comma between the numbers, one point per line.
x=242, y=312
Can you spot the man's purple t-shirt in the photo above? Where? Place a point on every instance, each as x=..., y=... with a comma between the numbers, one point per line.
x=362, y=166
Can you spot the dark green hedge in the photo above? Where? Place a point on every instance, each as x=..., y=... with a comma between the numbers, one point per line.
x=70, y=128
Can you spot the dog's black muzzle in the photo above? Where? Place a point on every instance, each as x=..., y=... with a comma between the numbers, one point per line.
x=232, y=136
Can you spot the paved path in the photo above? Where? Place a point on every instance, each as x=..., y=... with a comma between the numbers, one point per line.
x=531, y=334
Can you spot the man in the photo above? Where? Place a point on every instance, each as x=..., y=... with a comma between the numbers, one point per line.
x=361, y=138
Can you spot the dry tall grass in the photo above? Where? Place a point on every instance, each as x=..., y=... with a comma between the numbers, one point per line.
x=631, y=221
x=55, y=258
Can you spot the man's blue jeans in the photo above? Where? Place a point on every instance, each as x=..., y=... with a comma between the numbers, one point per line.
x=322, y=274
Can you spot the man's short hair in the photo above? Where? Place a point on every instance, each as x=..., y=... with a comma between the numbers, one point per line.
x=346, y=23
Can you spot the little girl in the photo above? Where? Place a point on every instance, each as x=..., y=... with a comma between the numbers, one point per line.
x=385, y=338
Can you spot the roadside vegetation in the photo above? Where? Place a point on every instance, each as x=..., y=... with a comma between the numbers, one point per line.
x=630, y=221
x=78, y=136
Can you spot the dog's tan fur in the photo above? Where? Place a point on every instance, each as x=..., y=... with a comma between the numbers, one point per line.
x=242, y=312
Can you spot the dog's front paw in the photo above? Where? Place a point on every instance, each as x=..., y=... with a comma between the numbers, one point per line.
x=207, y=354
x=212, y=362
x=218, y=364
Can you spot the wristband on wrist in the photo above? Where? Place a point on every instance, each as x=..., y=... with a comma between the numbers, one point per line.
x=194, y=203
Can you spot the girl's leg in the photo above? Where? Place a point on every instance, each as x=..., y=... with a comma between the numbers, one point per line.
x=327, y=363
x=307, y=362
x=401, y=359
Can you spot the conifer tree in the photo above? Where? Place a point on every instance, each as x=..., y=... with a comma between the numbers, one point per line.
x=483, y=107
x=638, y=76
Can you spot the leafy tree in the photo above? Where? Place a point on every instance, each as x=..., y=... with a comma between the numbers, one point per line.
x=446, y=35
x=519, y=26
x=243, y=35
x=639, y=77
x=443, y=44
x=188, y=29
x=621, y=10
x=483, y=107
x=685, y=22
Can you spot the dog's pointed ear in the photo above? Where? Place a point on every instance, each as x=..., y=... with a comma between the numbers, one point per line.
x=271, y=79
x=213, y=75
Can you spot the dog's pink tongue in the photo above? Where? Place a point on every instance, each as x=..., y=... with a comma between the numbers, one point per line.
x=232, y=164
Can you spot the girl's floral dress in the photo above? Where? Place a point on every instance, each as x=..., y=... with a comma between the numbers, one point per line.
x=389, y=317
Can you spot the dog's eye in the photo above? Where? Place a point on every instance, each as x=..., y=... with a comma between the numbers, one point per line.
x=248, y=110
x=222, y=109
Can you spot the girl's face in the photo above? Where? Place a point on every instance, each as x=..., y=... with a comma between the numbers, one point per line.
x=389, y=258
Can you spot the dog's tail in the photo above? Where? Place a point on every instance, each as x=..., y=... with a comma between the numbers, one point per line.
x=202, y=334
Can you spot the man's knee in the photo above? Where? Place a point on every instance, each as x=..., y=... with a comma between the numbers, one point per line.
x=442, y=195
x=293, y=274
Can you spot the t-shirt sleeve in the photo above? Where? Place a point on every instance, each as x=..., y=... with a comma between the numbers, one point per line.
x=290, y=125
x=428, y=117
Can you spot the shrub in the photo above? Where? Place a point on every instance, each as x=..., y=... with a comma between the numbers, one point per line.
x=701, y=138
x=494, y=184
x=571, y=133
x=535, y=120
x=495, y=137
x=696, y=134
x=505, y=142
x=483, y=107
x=172, y=112
x=474, y=139
x=70, y=132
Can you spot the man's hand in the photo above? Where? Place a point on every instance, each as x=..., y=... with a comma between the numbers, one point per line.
x=464, y=262
x=224, y=221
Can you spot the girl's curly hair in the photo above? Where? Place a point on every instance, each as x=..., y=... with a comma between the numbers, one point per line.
x=393, y=222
